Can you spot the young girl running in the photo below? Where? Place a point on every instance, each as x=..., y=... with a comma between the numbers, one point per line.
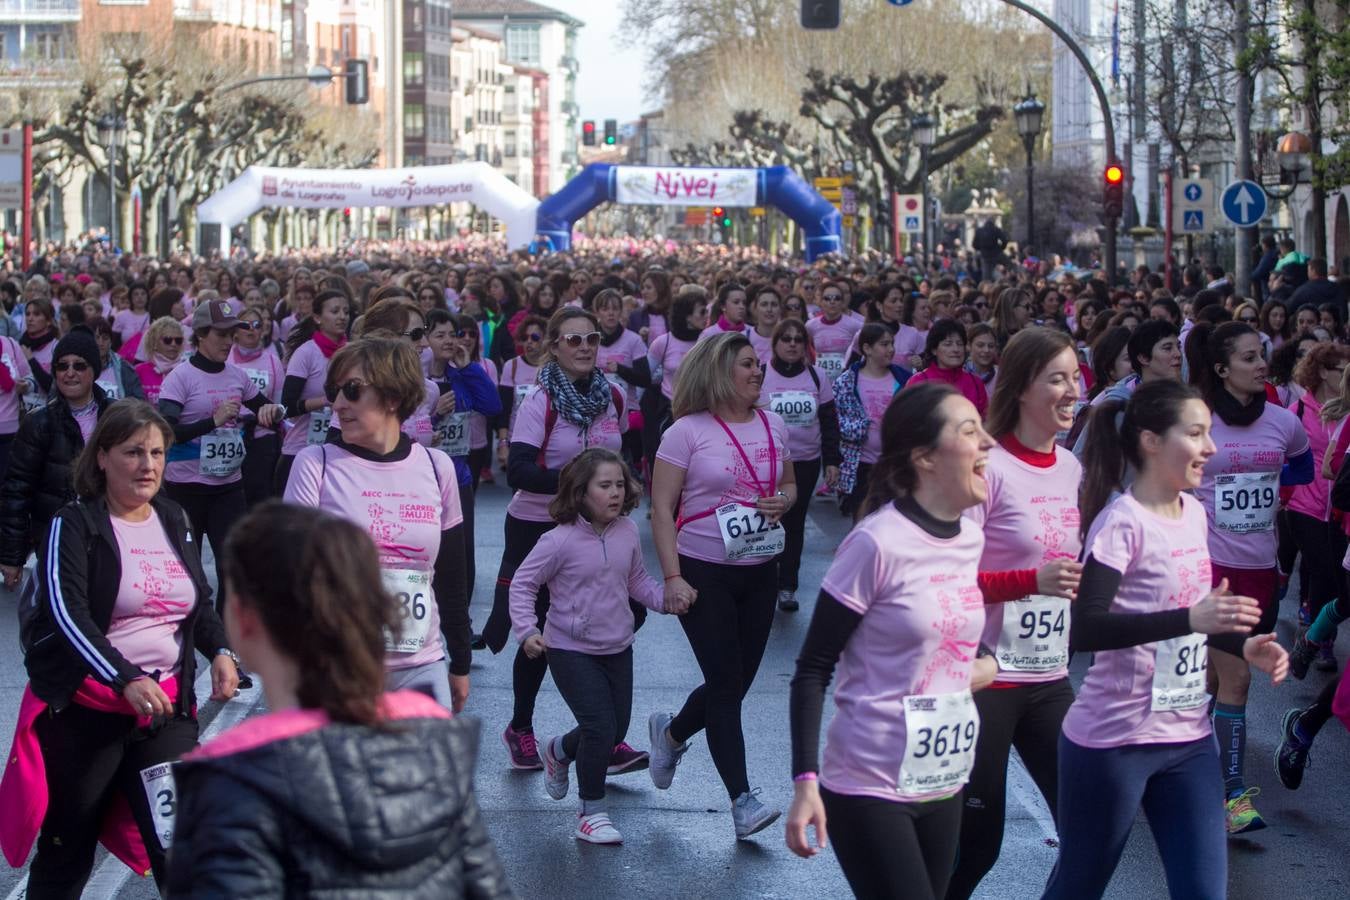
x=1138, y=732
x=591, y=564
x=900, y=614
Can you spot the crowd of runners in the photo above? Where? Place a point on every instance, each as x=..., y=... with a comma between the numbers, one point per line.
x=1038, y=464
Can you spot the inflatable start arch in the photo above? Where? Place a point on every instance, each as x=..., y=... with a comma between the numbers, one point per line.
x=474, y=182
x=776, y=186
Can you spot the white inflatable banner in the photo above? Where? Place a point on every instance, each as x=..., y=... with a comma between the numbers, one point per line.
x=665, y=186
x=474, y=182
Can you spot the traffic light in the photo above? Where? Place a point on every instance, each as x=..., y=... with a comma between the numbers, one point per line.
x=1113, y=194
x=588, y=133
x=611, y=132
x=358, y=81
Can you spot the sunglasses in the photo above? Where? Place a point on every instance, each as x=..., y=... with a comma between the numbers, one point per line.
x=171, y=341
x=832, y=296
x=1248, y=319
x=79, y=366
x=351, y=390
x=532, y=338
x=791, y=339
x=591, y=339
x=415, y=335
x=251, y=326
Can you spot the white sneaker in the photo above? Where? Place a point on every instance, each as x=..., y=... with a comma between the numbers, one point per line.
x=555, y=772
x=597, y=829
x=665, y=754
x=750, y=815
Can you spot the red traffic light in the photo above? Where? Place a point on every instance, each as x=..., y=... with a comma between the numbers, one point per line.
x=1114, y=174
x=718, y=212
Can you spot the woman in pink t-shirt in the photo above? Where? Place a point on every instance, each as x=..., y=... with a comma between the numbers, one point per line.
x=862, y=393
x=406, y=497
x=730, y=310
x=944, y=357
x=1139, y=731
x=725, y=466
x=833, y=331
x=1261, y=446
x=899, y=614
x=912, y=337
x=128, y=323
x=622, y=357
x=574, y=408
x=1029, y=572
x=164, y=339
x=310, y=345
x=253, y=354
x=803, y=396
x=665, y=355
x=766, y=309
x=518, y=380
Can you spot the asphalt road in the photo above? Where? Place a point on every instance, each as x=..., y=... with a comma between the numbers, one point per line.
x=679, y=843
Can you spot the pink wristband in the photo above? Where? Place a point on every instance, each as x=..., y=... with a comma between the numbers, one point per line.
x=805, y=776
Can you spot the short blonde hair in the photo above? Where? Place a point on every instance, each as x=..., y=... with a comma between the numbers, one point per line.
x=705, y=374
x=158, y=329
x=392, y=368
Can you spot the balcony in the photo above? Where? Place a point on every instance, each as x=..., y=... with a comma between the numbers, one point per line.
x=571, y=64
x=191, y=10
x=15, y=11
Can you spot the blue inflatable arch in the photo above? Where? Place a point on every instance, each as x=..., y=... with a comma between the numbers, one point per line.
x=776, y=186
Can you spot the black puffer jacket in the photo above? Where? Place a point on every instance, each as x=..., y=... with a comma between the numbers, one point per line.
x=38, y=481
x=341, y=812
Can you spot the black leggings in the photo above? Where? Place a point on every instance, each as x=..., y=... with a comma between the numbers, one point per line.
x=728, y=629
x=890, y=849
x=259, y=469
x=1027, y=717
x=849, y=505
x=466, y=501
x=655, y=410
x=283, y=474
x=599, y=692
x=794, y=523
x=1317, y=569
x=91, y=756
x=478, y=460
x=213, y=512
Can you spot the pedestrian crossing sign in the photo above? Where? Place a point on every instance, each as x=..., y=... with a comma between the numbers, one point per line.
x=1194, y=220
x=912, y=225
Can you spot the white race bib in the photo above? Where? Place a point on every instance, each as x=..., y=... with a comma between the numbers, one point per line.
x=222, y=452
x=523, y=391
x=798, y=408
x=34, y=400
x=319, y=423
x=1246, y=502
x=1179, y=673
x=832, y=364
x=162, y=795
x=112, y=389
x=261, y=378
x=746, y=534
x=1035, y=635
x=452, y=436
x=411, y=589
x=940, y=735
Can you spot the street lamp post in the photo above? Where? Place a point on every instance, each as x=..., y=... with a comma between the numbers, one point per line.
x=1029, y=114
x=110, y=128
x=924, y=130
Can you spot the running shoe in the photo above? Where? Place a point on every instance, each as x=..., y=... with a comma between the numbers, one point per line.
x=626, y=759
x=787, y=601
x=523, y=748
x=477, y=642
x=1291, y=756
x=666, y=754
x=1305, y=616
x=555, y=772
x=1301, y=657
x=824, y=492
x=1326, y=657
x=485, y=475
x=1242, y=816
x=750, y=815
x=597, y=829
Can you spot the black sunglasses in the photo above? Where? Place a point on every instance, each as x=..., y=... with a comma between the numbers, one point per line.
x=251, y=326
x=79, y=366
x=792, y=339
x=351, y=390
x=173, y=341
x=415, y=335
x=832, y=296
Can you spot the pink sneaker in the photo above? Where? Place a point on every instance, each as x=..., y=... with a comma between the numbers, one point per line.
x=626, y=759
x=523, y=749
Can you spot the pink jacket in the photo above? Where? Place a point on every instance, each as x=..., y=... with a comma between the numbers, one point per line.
x=589, y=578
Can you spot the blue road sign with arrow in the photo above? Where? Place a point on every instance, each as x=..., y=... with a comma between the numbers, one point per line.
x=1243, y=203
x=1193, y=192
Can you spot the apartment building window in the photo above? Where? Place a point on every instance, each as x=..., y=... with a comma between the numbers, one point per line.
x=412, y=69
x=414, y=120
x=509, y=105
x=509, y=143
x=522, y=44
x=438, y=71
x=47, y=45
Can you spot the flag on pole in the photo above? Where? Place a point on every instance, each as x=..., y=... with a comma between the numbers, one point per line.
x=1115, y=46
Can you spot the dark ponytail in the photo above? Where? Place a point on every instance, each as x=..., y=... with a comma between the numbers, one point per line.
x=913, y=421
x=1113, y=440
x=314, y=580
x=1208, y=346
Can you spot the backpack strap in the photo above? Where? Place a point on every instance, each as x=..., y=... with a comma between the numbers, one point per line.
x=815, y=376
x=551, y=418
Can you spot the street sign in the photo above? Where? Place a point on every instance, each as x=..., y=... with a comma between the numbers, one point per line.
x=848, y=204
x=828, y=184
x=1193, y=205
x=909, y=210
x=834, y=196
x=1243, y=203
x=757, y=212
x=697, y=215
x=849, y=221
x=11, y=167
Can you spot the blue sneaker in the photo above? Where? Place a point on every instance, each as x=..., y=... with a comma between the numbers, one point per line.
x=1291, y=756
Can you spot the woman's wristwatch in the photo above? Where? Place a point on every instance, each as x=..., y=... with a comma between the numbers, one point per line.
x=234, y=657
